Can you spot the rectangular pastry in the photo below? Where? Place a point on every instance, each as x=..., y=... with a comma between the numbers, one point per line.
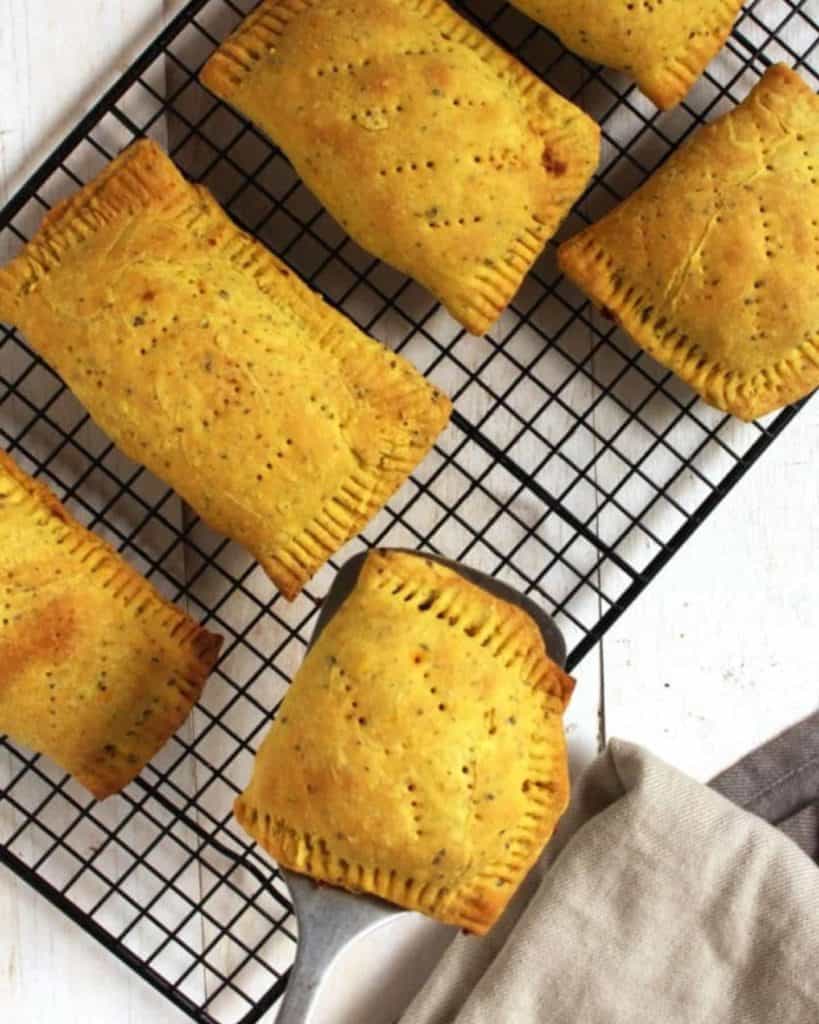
x=97, y=671
x=419, y=754
x=436, y=150
x=208, y=361
x=665, y=47
x=713, y=265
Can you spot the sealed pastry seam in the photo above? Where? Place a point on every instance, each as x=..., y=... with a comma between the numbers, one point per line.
x=255, y=40
x=359, y=498
x=405, y=411
x=674, y=79
x=97, y=670
x=748, y=396
x=126, y=586
x=508, y=636
x=664, y=47
x=495, y=283
x=125, y=187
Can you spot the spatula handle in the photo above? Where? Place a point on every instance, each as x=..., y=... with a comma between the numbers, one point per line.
x=301, y=997
x=330, y=920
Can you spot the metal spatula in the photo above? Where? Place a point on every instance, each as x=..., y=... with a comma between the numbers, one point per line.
x=331, y=920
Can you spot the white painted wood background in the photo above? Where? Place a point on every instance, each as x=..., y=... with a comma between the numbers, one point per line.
x=718, y=654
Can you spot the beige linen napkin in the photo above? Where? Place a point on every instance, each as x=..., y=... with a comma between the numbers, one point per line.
x=661, y=901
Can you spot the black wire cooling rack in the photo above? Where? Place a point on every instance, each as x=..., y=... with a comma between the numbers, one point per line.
x=575, y=467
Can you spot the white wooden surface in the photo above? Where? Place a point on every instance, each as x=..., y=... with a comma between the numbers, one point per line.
x=717, y=655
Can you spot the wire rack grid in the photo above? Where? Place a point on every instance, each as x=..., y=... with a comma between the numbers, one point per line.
x=574, y=468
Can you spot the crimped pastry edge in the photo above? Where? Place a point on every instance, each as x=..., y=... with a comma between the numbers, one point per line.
x=476, y=904
x=132, y=591
x=143, y=176
x=676, y=77
x=746, y=396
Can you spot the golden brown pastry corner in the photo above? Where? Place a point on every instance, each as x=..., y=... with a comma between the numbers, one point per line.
x=424, y=572
x=420, y=412
x=568, y=164
x=228, y=66
x=141, y=176
x=668, y=83
x=8, y=298
x=664, y=47
x=782, y=85
x=667, y=87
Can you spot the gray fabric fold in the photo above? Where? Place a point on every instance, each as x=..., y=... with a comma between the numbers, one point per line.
x=780, y=782
x=661, y=901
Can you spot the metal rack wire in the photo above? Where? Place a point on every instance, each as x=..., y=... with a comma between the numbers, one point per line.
x=575, y=467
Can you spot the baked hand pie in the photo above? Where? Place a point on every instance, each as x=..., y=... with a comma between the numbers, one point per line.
x=209, y=362
x=713, y=265
x=436, y=150
x=97, y=671
x=419, y=754
x=665, y=45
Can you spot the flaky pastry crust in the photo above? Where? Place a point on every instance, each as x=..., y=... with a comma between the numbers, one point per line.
x=419, y=754
x=97, y=671
x=665, y=46
x=436, y=150
x=713, y=265
x=208, y=361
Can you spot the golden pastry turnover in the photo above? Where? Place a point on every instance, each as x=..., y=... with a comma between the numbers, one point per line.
x=419, y=754
x=436, y=150
x=97, y=671
x=713, y=265
x=212, y=364
x=665, y=45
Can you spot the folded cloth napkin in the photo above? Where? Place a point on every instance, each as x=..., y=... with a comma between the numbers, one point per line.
x=659, y=901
